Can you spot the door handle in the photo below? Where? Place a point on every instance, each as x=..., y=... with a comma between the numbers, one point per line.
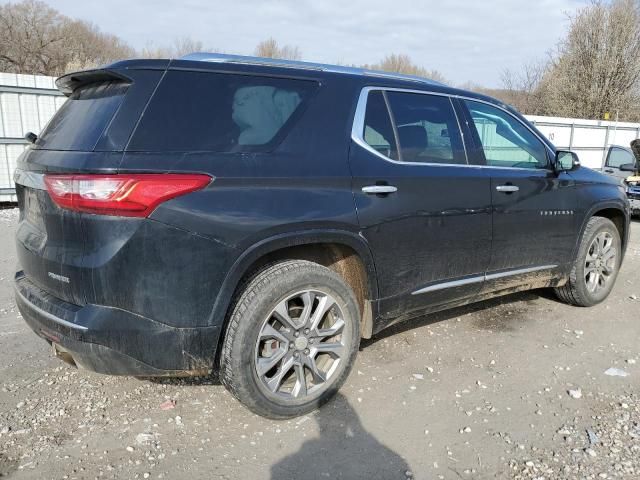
x=378, y=189
x=507, y=188
x=608, y=170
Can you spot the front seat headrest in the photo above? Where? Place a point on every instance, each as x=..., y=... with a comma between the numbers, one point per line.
x=413, y=141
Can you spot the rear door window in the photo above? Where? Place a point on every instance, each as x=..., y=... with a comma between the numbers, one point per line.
x=427, y=128
x=197, y=111
x=378, y=130
x=82, y=119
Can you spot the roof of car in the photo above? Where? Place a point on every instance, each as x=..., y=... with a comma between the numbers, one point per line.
x=377, y=77
x=398, y=79
x=300, y=65
x=234, y=62
x=390, y=79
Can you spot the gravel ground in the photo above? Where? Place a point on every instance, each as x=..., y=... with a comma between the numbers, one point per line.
x=511, y=388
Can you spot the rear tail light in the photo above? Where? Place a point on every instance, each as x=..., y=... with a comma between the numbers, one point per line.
x=135, y=195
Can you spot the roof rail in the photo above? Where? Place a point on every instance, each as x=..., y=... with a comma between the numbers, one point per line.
x=274, y=62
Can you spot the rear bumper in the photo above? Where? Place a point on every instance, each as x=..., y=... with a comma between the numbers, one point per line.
x=114, y=341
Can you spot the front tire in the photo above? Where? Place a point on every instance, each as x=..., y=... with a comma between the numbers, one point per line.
x=292, y=338
x=596, y=267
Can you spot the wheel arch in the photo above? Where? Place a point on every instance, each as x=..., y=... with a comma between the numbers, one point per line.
x=574, y=291
x=345, y=253
x=613, y=211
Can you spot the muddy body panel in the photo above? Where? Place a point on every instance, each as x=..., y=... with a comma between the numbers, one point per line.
x=433, y=197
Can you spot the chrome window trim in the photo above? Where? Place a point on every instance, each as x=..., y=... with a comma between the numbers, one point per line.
x=451, y=284
x=519, y=271
x=481, y=278
x=357, y=129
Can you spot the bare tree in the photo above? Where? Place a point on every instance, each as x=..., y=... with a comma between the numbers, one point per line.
x=88, y=47
x=523, y=90
x=402, y=63
x=270, y=48
x=597, y=67
x=35, y=38
x=180, y=47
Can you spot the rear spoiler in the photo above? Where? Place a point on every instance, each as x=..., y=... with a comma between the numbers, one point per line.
x=70, y=82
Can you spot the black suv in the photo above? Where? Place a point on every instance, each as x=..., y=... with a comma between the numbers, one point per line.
x=258, y=218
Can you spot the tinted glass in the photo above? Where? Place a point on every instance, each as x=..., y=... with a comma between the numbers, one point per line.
x=81, y=120
x=427, y=128
x=378, y=131
x=618, y=156
x=194, y=111
x=506, y=142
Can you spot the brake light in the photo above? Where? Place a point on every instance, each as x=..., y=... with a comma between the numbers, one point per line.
x=135, y=195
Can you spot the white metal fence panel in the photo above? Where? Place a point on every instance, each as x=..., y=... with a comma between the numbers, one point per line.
x=8, y=160
x=11, y=115
x=590, y=139
x=27, y=102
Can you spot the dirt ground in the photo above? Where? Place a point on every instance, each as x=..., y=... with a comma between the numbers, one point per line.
x=511, y=388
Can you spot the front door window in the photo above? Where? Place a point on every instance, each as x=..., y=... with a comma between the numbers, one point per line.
x=506, y=142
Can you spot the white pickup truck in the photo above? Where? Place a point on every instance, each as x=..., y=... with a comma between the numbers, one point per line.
x=624, y=163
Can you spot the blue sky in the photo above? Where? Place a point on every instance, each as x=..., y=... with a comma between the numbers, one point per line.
x=465, y=40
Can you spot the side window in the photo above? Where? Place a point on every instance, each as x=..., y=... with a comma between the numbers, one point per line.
x=506, y=142
x=427, y=128
x=618, y=157
x=197, y=111
x=378, y=131
x=83, y=118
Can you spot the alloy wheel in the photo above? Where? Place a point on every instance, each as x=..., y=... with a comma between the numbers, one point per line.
x=601, y=262
x=301, y=345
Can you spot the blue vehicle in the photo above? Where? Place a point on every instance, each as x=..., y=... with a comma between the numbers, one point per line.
x=256, y=218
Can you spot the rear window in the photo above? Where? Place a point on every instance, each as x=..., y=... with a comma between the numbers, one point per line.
x=79, y=123
x=195, y=111
x=378, y=130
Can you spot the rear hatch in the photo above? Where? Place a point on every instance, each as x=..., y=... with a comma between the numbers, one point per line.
x=167, y=138
x=87, y=135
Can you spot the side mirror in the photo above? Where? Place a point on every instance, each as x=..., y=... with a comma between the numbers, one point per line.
x=628, y=167
x=566, y=161
x=30, y=137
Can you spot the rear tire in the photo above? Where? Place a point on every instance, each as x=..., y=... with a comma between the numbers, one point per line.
x=292, y=338
x=596, y=266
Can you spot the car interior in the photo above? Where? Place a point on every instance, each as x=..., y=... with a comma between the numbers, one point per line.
x=260, y=111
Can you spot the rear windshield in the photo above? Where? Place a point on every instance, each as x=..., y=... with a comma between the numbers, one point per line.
x=195, y=111
x=81, y=120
